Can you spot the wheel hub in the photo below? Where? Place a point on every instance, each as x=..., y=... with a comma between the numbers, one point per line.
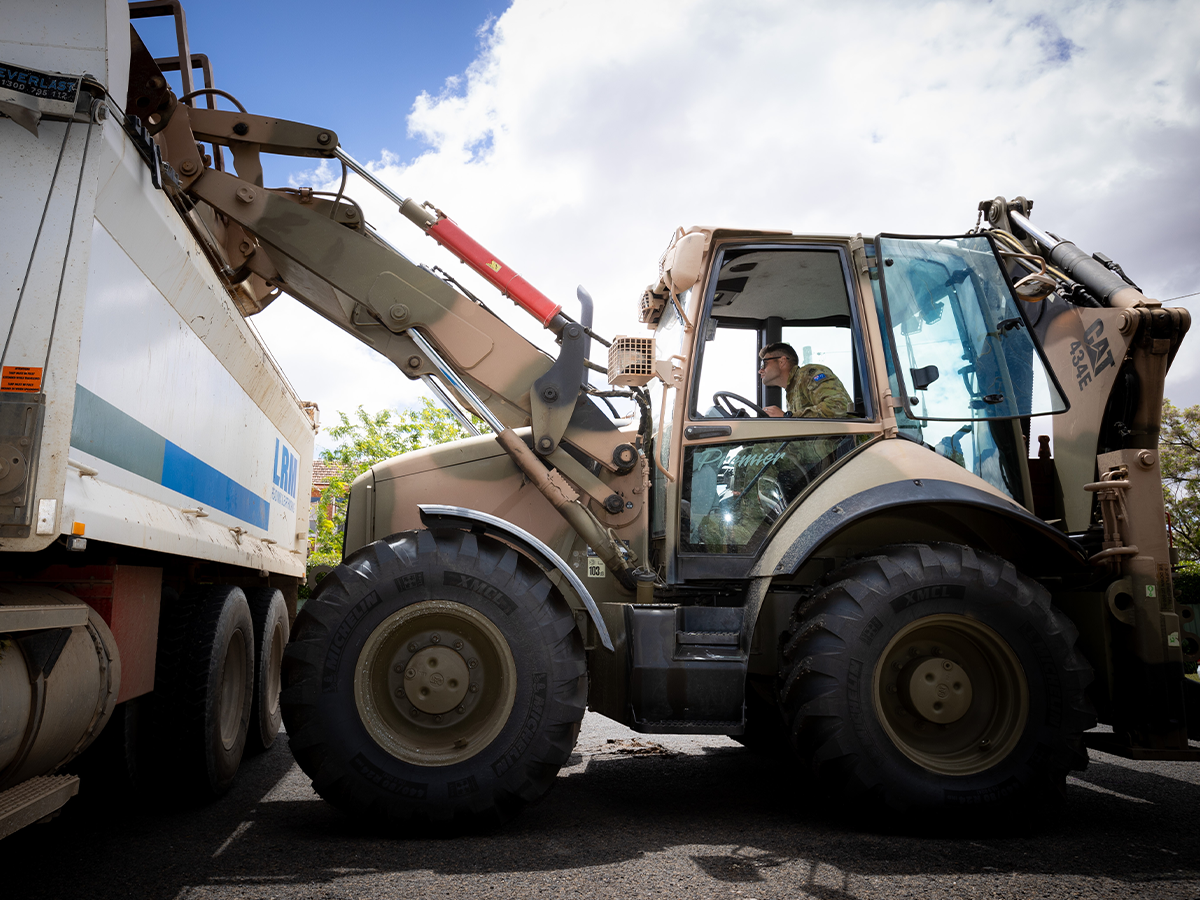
x=951, y=694
x=435, y=683
x=939, y=690
x=436, y=680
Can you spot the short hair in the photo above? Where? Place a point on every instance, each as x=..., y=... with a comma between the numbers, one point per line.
x=779, y=347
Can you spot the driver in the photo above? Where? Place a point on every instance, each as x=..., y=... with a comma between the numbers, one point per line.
x=811, y=390
x=765, y=477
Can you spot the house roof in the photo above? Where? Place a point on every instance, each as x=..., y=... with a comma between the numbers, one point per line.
x=323, y=472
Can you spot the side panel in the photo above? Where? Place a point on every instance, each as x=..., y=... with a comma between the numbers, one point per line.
x=159, y=417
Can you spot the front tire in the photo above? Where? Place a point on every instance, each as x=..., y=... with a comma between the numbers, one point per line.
x=434, y=678
x=932, y=677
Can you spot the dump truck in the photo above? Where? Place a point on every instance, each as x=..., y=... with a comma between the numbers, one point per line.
x=825, y=529
x=154, y=461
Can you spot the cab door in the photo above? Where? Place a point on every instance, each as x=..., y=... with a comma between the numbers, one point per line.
x=749, y=450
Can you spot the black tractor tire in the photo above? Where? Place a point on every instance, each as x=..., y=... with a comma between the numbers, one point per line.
x=934, y=678
x=398, y=634
x=268, y=611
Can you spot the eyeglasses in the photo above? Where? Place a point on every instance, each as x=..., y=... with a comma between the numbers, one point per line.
x=767, y=359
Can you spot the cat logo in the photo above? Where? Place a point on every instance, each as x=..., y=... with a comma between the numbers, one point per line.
x=1091, y=356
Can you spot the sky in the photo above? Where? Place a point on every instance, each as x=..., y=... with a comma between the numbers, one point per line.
x=571, y=139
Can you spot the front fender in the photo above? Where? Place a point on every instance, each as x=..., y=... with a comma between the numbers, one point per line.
x=460, y=517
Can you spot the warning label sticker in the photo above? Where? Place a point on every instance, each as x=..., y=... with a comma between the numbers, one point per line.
x=27, y=379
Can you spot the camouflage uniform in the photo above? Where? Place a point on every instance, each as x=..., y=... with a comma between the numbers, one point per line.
x=814, y=391
x=766, y=475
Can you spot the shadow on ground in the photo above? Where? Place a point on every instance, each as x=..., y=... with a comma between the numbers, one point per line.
x=736, y=814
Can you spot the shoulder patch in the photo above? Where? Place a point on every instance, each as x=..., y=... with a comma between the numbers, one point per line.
x=820, y=376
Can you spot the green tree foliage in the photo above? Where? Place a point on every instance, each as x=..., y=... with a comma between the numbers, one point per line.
x=363, y=441
x=1179, y=447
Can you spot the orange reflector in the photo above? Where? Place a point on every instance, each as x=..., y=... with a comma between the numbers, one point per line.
x=77, y=528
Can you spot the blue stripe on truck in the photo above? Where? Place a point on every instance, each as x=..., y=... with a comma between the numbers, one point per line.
x=102, y=430
x=185, y=473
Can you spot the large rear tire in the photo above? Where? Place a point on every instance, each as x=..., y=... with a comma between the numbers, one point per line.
x=434, y=679
x=933, y=677
x=268, y=610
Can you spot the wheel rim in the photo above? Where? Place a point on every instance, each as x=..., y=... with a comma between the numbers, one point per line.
x=435, y=683
x=233, y=689
x=275, y=664
x=951, y=695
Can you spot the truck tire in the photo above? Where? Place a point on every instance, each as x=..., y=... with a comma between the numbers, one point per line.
x=196, y=730
x=268, y=611
x=434, y=680
x=935, y=677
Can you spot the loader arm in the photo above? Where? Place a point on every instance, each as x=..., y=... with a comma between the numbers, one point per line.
x=322, y=253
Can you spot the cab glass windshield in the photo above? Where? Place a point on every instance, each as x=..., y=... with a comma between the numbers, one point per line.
x=962, y=348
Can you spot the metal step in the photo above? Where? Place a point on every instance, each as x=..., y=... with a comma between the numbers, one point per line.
x=34, y=799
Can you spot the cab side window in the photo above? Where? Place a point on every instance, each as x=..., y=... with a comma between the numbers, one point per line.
x=791, y=295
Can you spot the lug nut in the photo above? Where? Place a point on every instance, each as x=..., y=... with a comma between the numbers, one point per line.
x=472, y=662
x=399, y=692
x=458, y=645
x=413, y=711
x=435, y=638
x=437, y=718
x=461, y=709
x=474, y=688
x=398, y=668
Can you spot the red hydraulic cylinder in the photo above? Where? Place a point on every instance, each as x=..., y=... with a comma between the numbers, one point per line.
x=479, y=258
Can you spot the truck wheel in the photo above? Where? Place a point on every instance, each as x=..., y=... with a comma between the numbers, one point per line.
x=197, y=726
x=268, y=610
x=434, y=679
x=934, y=677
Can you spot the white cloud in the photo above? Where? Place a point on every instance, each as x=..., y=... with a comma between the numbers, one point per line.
x=584, y=133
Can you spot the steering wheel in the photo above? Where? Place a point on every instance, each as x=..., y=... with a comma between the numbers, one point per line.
x=721, y=400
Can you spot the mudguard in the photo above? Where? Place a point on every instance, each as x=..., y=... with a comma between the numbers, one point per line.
x=437, y=516
x=949, y=501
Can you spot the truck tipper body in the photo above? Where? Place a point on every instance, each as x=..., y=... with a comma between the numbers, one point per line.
x=154, y=455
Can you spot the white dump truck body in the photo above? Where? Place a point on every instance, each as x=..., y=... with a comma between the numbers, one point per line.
x=121, y=335
x=154, y=460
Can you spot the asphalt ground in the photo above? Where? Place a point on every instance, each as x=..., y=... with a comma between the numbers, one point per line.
x=632, y=816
